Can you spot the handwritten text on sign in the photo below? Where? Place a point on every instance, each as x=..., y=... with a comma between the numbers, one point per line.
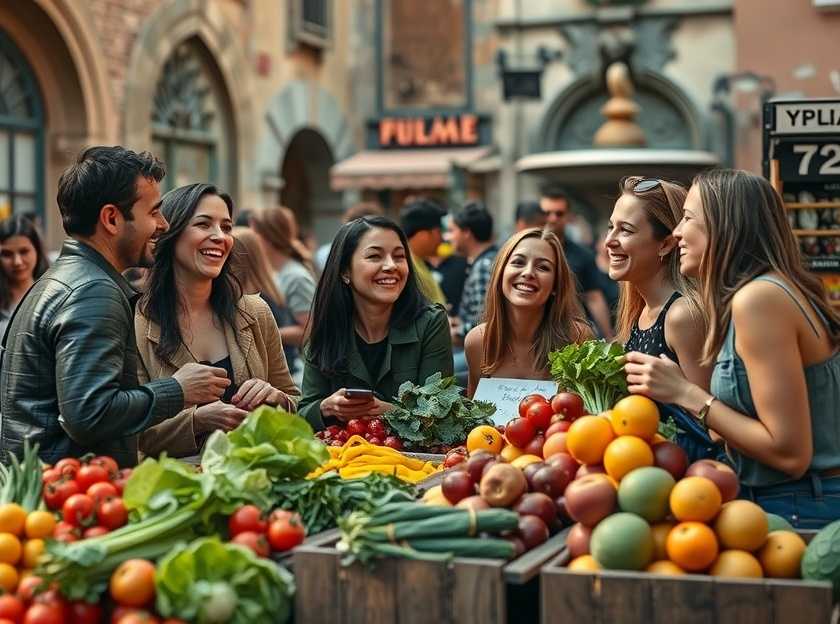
x=507, y=393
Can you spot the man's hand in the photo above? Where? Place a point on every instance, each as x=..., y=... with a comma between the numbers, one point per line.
x=201, y=384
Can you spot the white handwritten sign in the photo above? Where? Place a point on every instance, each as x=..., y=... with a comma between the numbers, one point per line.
x=507, y=393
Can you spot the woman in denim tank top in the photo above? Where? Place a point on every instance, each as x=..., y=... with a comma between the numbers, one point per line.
x=659, y=311
x=773, y=340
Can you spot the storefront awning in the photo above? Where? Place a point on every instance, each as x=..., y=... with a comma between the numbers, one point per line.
x=400, y=169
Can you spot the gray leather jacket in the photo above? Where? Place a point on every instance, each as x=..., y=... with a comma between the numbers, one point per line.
x=69, y=366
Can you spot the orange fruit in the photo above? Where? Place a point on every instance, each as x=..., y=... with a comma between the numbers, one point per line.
x=523, y=460
x=692, y=546
x=8, y=578
x=485, y=438
x=781, y=555
x=584, y=563
x=657, y=439
x=12, y=519
x=556, y=443
x=133, y=583
x=588, y=438
x=40, y=524
x=664, y=567
x=10, y=549
x=32, y=550
x=660, y=535
x=736, y=563
x=741, y=525
x=626, y=453
x=510, y=452
x=695, y=498
x=635, y=415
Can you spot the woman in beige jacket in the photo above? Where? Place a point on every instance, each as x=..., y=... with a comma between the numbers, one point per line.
x=193, y=310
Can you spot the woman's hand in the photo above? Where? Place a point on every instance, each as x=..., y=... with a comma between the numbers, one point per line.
x=339, y=406
x=380, y=407
x=254, y=393
x=217, y=415
x=658, y=378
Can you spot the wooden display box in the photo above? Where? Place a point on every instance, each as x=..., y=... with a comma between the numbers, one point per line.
x=401, y=591
x=634, y=597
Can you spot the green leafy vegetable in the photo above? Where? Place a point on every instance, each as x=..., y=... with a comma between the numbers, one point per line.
x=210, y=582
x=594, y=370
x=20, y=481
x=436, y=414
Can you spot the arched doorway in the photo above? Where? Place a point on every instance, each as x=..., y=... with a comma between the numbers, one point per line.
x=306, y=183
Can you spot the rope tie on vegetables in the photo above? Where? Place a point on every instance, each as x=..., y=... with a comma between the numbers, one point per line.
x=389, y=531
x=473, y=522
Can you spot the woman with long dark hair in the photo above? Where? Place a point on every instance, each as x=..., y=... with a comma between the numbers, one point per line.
x=193, y=310
x=22, y=261
x=532, y=308
x=773, y=340
x=371, y=329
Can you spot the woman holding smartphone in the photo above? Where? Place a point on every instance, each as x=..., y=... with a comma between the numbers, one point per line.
x=371, y=329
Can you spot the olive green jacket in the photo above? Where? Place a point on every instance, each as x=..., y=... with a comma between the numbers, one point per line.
x=414, y=352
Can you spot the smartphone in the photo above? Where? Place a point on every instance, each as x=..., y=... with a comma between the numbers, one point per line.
x=358, y=393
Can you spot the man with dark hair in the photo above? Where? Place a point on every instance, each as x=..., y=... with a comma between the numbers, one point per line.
x=471, y=234
x=420, y=219
x=555, y=205
x=528, y=215
x=69, y=359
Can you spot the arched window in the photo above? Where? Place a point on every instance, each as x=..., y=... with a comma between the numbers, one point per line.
x=189, y=122
x=21, y=134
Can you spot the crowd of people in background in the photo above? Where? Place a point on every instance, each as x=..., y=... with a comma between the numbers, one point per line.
x=164, y=319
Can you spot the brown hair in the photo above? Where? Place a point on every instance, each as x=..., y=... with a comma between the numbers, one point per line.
x=563, y=320
x=664, y=206
x=748, y=236
x=278, y=226
x=252, y=266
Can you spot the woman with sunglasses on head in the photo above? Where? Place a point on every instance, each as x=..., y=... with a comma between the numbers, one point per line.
x=193, y=310
x=372, y=329
x=22, y=261
x=659, y=310
x=531, y=309
x=773, y=340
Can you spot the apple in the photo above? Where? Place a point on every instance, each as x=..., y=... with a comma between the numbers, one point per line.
x=529, y=472
x=502, y=484
x=566, y=462
x=577, y=540
x=590, y=499
x=457, y=485
x=489, y=465
x=551, y=480
x=540, y=415
x=568, y=404
x=539, y=505
x=535, y=446
x=519, y=432
x=532, y=531
x=476, y=462
x=562, y=512
x=518, y=546
x=720, y=474
x=474, y=502
x=589, y=469
x=557, y=426
x=671, y=457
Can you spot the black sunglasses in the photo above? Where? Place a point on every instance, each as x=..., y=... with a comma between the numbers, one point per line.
x=646, y=184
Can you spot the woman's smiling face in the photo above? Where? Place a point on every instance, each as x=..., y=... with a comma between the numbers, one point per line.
x=692, y=235
x=204, y=245
x=530, y=274
x=378, y=267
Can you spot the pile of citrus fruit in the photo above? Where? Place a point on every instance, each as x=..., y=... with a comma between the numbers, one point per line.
x=639, y=506
x=21, y=542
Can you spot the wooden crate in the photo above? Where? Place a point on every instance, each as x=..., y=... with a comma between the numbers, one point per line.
x=400, y=591
x=639, y=598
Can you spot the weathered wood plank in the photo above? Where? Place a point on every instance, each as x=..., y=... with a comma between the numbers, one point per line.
x=739, y=601
x=685, y=599
x=624, y=597
x=797, y=602
x=478, y=592
x=423, y=592
x=315, y=578
x=567, y=597
x=524, y=568
x=368, y=596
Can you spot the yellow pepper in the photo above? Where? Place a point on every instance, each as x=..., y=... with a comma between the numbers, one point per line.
x=358, y=458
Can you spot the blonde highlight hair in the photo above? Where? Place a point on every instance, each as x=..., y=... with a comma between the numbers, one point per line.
x=664, y=207
x=252, y=266
x=563, y=319
x=278, y=226
x=748, y=235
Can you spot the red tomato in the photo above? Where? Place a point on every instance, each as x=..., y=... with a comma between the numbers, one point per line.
x=27, y=587
x=377, y=428
x=84, y=613
x=66, y=532
x=120, y=480
x=280, y=514
x=57, y=492
x=94, y=531
x=255, y=541
x=120, y=612
x=540, y=415
x=247, y=518
x=557, y=426
x=50, y=475
x=90, y=474
x=519, y=432
x=286, y=533
x=71, y=462
x=333, y=430
x=78, y=510
x=44, y=614
x=138, y=617
x=112, y=514
x=11, y=607
x=8, y=621
x=102, y=491
x=529, y=400
x=569, y=404
x=376, y=440
x=393, y=442
x=108, y=463
x=357, y=426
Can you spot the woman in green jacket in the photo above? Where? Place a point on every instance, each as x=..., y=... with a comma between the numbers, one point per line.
x=371, y=329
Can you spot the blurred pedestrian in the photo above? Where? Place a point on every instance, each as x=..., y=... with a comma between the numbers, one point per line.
x=529, y=215
x=420, y=219
x=22, y=261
